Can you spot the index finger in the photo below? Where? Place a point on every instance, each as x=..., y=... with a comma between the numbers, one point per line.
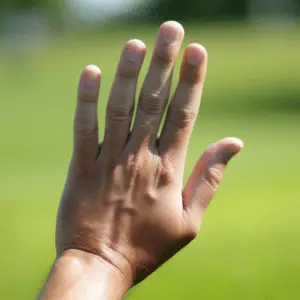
x=184, y=107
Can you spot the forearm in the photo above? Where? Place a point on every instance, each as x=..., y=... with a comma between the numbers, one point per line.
x=84, y=276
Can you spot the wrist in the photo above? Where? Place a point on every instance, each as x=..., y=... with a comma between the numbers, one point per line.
x=78, y=275
x=114, y=272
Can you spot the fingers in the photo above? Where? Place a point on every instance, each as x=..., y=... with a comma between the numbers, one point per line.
x=184, y=107
x=207, y=175
x=121, y=101
x=86, y=123
x=156, y=88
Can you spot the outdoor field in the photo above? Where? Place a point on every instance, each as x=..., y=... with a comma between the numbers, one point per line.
x=249, y=245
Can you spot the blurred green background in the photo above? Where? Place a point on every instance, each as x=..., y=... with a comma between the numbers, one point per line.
x=249, y=246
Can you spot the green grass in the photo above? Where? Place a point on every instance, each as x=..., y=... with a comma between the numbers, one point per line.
x=249, y=243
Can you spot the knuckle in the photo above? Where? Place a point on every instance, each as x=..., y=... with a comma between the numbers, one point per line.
x=85, y=123
x=86, y=131
x=165, y=52
x=164, y=57
x=213, y=177
x=153, y=103
x=118, y=113
x=85, y=128
x=182, y=117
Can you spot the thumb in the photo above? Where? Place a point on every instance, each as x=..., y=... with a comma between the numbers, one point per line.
x=208, y=174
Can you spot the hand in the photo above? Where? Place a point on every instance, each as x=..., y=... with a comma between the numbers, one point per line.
x=123, y=201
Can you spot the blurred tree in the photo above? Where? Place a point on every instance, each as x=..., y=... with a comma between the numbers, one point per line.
x=194, y=9
x=182, y=10
x=279, y=8
x=50, y=9
x=49, y=5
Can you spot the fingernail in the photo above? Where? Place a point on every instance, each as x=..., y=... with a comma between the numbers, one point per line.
x=229, y=153
x=238, y=142
x=92, y=74
x=134, y=51
x=170, y=32
x=196, y=54
x=167, y=36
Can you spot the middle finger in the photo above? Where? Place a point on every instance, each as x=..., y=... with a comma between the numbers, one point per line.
x=156, y=87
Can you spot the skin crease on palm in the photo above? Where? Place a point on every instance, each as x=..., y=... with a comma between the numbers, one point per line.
x=124, y=200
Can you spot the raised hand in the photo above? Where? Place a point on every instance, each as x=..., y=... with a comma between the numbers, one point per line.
x=123, y=202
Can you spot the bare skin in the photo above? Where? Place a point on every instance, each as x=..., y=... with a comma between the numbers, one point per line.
x=124, y=211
